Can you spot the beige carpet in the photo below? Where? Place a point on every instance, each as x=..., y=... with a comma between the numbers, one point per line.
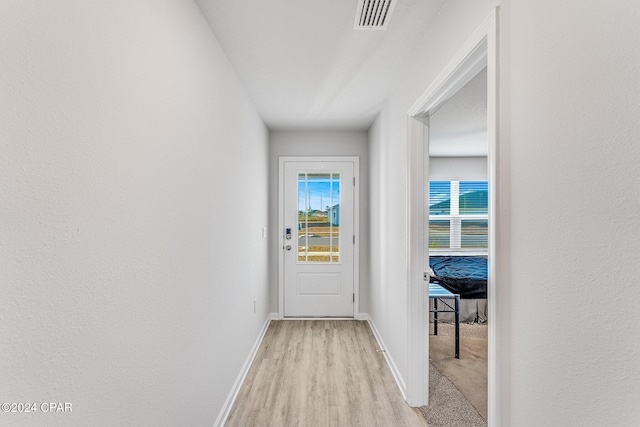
x=447, y=405
x=458, y=387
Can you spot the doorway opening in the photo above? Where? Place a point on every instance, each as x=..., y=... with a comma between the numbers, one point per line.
x=451, y=235
x=457, y=249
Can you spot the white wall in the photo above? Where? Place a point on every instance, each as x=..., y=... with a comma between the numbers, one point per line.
x=460, y=168
x=571, y=78
x=319, y=143
x=132, y=198
x=388, y=162
x=568, y=214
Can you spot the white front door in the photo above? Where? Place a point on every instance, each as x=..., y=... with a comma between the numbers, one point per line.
x=317, y=220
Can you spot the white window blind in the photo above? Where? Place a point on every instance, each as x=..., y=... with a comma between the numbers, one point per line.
x=458, y=216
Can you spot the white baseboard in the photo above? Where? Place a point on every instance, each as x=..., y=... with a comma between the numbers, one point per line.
x=359, y=316
x=392, y=365
x=316, y=318
x=233, y=394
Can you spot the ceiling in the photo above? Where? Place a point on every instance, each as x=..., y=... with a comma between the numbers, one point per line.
x=303, y=64
x=459, y=127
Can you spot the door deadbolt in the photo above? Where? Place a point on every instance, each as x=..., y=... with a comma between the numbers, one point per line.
x=288, y=247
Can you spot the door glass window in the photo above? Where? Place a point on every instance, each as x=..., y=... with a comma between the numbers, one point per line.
x=319, y=217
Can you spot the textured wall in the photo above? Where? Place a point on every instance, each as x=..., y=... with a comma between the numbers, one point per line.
x=132, y=199
x=575, y=209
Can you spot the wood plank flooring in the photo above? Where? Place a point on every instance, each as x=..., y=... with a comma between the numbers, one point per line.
x=320, y=373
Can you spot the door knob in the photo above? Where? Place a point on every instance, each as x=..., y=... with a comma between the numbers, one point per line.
x=288, y=247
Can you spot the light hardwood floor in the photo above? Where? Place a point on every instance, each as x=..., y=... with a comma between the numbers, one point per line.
x=320, y=373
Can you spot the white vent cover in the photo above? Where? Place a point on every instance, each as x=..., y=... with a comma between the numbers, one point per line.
x=373, y=14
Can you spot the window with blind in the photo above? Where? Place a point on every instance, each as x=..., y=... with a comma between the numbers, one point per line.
x=458, y=216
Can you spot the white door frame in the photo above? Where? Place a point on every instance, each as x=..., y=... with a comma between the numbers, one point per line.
x=480, y=50
x=356, y=225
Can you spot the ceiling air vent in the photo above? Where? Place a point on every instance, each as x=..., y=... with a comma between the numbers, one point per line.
x=373, y=14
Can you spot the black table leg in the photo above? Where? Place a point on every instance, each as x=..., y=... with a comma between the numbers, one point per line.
x=435, y=316
x=457, y=315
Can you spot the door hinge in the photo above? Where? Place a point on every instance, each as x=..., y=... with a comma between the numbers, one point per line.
x=354, y=297
x=354, y=239
x=354, y=181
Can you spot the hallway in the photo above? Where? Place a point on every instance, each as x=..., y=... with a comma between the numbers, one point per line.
x=139, y=145
x=321, y=373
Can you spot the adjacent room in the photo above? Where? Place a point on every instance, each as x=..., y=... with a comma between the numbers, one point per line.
x=458, y=248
